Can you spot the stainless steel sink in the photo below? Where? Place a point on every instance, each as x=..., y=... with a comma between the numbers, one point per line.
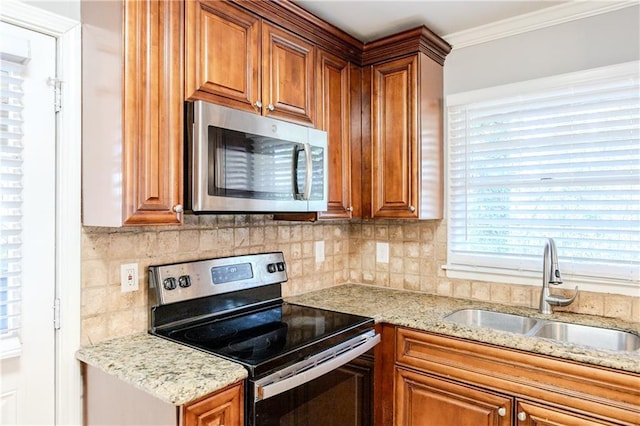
x=596, y=337
x=576, y=334
x=493, y=320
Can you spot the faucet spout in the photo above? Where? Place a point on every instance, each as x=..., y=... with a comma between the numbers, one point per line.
x=551, y=275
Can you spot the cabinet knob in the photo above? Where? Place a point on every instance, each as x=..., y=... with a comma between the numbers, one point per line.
x=270, y=107
x=522, y=416
x=412, y=209
x=502, y=411
x=257, y=104
x=350, y=208
x=178, y=208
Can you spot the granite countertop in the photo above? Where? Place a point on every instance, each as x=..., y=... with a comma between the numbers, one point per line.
x=157, y=366
x=426, y=312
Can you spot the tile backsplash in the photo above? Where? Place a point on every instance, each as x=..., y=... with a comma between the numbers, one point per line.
x=417, y=249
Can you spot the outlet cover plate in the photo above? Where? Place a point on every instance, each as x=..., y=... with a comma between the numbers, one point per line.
x=128, y=277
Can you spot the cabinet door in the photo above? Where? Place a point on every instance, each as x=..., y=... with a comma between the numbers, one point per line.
x=224, y=408
x=287, y=76
x=152, y=116
x=423, y=400
x=222, y=54
x=334, y=117
x=394, y=109
x=534, y=414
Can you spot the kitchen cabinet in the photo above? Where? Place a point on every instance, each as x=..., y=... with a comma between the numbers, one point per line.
x=446, y=380
x=235, y=58
x=428, y=400
x=334, y=117
x=132, y=113
x=403, y=177
x=224, y=408
x=109, y=400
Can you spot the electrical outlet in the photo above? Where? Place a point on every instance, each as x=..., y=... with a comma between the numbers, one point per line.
x=382, y=252
x=319, y=251
x=128, y=277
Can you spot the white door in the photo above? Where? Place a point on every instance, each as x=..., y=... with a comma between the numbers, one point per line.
x=27, y=275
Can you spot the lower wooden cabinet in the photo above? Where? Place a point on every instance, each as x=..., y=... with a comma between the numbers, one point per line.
x=444, y=381
x=423, y=400
x=224, y=408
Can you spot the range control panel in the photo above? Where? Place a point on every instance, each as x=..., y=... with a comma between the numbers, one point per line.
x=189, y=280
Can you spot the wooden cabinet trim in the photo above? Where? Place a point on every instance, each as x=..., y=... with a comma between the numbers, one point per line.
x=409, y=42
x=594, y=391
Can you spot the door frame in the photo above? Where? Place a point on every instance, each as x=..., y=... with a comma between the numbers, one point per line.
x=68, y=380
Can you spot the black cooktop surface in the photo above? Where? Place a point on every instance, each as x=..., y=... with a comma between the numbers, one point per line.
x=272, y=337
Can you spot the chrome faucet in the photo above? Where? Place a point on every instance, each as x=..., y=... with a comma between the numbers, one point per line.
x=551, y=275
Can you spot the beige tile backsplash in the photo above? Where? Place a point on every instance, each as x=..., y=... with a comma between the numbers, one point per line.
x=416, y=251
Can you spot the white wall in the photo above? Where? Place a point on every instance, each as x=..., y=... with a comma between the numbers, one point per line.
x=67, y=8
x=600, y=40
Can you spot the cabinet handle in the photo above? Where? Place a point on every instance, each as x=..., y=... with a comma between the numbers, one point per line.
x=257, y=104
x=350, y=208
x=502, y=411
x=178, y=208
x=412, y=209
x=270, y=107
x=522, y=416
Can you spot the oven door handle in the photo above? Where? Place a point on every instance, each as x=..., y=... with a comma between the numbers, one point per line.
x=317, y=366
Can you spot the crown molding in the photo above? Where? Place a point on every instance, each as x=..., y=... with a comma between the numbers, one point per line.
x=542, y=18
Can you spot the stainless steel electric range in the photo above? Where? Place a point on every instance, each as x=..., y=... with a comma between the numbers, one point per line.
x=306, y=366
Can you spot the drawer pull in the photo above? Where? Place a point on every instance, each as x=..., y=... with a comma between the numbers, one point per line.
x=502, y=411
x=522, y=416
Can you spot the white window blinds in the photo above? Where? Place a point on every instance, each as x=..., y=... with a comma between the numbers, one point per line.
x=11, y=162
x=557, y=157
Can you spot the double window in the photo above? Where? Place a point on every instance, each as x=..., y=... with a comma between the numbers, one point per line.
x=556, y=157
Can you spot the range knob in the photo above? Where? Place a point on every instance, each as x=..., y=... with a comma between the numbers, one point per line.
x=184, y=281
x=169, y=283
x=271, y=268
x=280, y=266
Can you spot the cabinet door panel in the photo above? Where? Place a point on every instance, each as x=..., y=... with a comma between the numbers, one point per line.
x=224, y=408
x=393, y=139
x=423, y=400
x=222, y=54
x=288, y=76
x=533, y=414
x=152, y=118
x=334, y=118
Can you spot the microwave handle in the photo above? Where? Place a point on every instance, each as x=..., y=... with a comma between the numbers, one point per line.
x=306, y=194
x=309, y=172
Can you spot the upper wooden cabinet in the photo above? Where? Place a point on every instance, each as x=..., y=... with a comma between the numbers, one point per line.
x=334, y=117
x=132, y=113
x=403, y=176
x=235, y=58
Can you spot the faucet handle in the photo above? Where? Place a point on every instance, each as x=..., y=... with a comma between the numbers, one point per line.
x=557, y=300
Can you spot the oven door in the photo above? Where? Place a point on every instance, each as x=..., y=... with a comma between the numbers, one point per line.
x=333, y=387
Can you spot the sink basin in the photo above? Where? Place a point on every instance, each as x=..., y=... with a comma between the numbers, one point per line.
x=596, y=337
x=494, y=320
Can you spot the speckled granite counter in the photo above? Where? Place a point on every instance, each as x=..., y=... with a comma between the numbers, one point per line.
x=157, y=366
x=426, y=312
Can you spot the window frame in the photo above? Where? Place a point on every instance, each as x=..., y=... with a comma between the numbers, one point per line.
x=518, y=275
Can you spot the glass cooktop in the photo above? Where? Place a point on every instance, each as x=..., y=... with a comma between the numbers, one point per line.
x=273, y=337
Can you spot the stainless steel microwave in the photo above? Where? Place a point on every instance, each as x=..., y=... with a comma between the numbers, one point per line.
x=242, y=162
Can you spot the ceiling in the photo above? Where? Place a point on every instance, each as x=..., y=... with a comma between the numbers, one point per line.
x=368, y=20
